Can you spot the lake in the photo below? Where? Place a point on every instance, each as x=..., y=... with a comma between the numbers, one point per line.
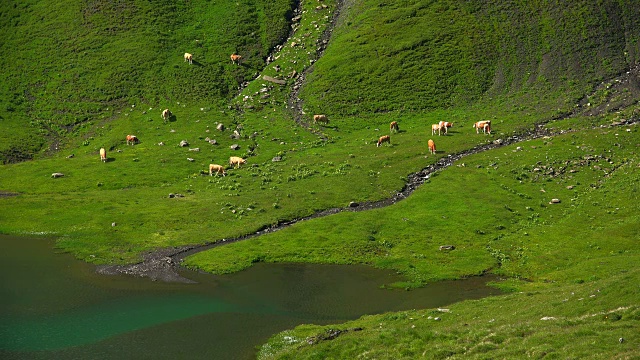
x=53, y=306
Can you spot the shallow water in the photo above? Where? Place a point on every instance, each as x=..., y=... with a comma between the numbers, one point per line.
x=55, y=307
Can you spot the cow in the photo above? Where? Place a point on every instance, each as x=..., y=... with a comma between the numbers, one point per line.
x=435, y=128
x=132, y=139
x=103, y=155
x=432, y=146
x=166, y=114
x=482, y=125
x=237, y=161
x=320, y=119
x=445, y=125
x=384, y=139
x=218, y=169
x=393, y=127
x=188, y=57
x=235, y=58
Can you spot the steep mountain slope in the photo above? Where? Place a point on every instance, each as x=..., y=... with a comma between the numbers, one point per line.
x=69, y=63
x=423, y=55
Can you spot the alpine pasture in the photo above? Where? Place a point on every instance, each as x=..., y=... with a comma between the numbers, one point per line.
x=554, y=213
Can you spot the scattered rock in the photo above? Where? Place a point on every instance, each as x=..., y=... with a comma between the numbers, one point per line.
x=447, y=247
x=70, y=156
x=498, y=141
x=213, y=142
x=220, y=127
x=274, y=80
x=184, y=143
x=194, y=149
x=191, y=159
x=353, y=204
x=57, y=175
x=554, y=201
x=548, y=318
x=277, y=159
x=172, y=195
x=234, y=147
x=113, y=224
x=569, y=187
x=160, y=143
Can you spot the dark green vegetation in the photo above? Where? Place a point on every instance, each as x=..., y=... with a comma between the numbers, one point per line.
x=416, y=62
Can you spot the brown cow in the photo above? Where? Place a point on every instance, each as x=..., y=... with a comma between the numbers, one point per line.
x=384, y=139
x=235, y=58
x=393, y=127
x=218, y=169
x=320, y=119
x=482, y=125
x=132, y=139
x=188, y=57
x=237, y=161
x=432, y=146
x=103, y=155
x=445, y=125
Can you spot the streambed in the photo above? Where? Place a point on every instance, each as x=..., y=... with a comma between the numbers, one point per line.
x=53, y=306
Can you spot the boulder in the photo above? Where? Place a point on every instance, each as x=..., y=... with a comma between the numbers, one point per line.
x=57, y=175
x=447, y=247
x=184, y=143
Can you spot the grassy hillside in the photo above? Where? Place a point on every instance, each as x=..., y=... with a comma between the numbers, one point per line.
x=67, y=64
x=80, y=75
x=422, y=55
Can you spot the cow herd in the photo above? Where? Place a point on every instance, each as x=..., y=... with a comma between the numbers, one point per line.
x=439, y=128
x=235, y=161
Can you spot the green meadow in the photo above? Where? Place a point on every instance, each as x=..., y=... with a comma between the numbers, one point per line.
x=81, y=75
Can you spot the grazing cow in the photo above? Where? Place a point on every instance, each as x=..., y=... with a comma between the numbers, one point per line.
x=235, y=58
x=218, y=169
x=432, y=146
x=132, y=139
x=166, y=114
x=188, y=57
x=237, y=161
x=384, y=139
x=320, y=119
x=445, y=125
x=393, y=127
x=103, y=155
x=482, y=125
